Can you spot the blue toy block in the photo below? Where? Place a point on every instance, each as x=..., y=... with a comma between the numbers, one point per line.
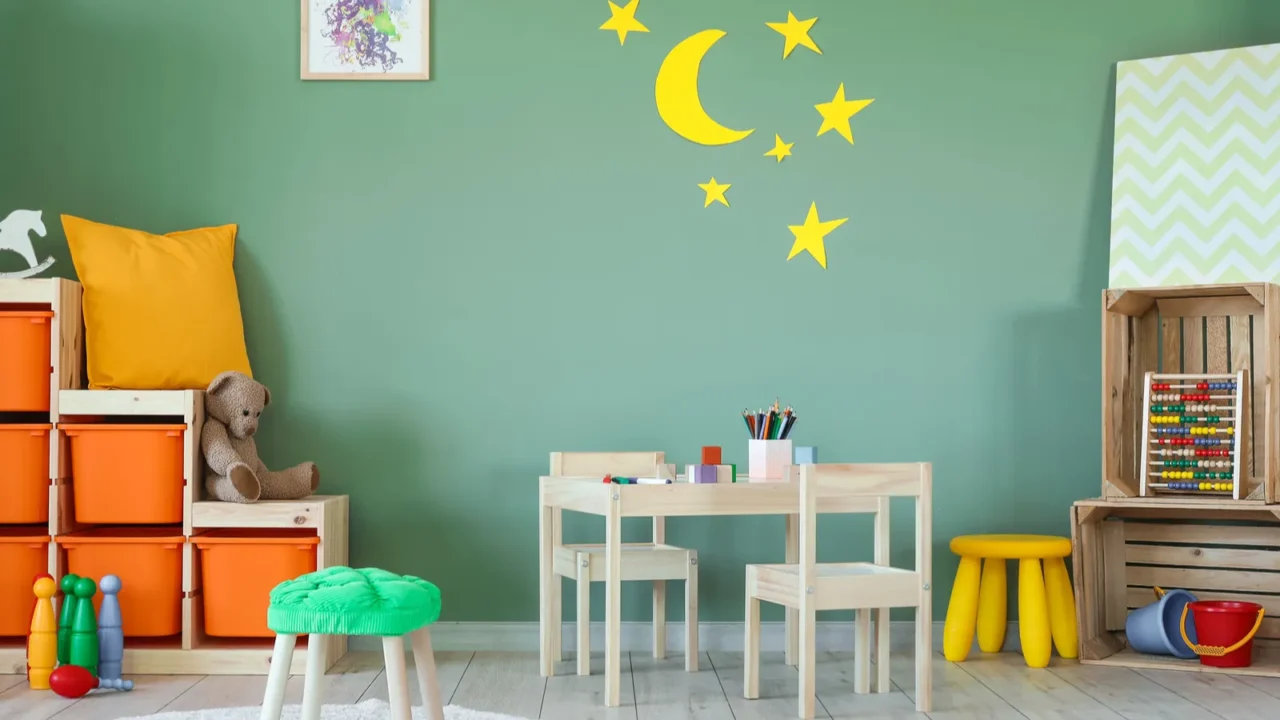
x=806, y=455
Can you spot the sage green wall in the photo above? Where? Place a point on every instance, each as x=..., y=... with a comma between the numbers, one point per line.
x=444, y=281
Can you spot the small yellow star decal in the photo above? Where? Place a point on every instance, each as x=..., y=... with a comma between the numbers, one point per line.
x=796, y=32
x=780, y=149
x=623, y=20
x=811, y=235
x=715, y=192
x=836, y=114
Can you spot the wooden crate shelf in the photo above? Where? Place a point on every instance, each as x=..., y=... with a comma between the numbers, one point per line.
x=1190, y=329
x=1122, y=549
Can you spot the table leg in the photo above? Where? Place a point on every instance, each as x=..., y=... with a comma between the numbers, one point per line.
x=1033, y=614
x=659, y=597
x=613, y=603
x=557, y=590
x=1062, y=608
x=546, y=579
x=792, y=616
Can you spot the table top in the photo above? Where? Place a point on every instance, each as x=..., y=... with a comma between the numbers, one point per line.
x=757, y=497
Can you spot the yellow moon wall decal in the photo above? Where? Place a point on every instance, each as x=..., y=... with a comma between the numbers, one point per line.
x=676, y=92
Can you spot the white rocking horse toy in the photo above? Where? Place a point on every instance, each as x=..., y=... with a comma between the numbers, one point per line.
x=15, y=233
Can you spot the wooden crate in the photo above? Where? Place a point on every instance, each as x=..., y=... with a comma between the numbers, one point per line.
x=1122, y=549
x=1190, y=329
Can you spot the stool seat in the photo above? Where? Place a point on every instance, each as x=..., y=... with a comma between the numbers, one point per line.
x=353, y=601
x=1011, y=547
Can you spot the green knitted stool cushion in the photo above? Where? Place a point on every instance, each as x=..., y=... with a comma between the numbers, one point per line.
x=346, y=601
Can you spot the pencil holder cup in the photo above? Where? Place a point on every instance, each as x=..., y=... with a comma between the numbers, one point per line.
x=768, y=459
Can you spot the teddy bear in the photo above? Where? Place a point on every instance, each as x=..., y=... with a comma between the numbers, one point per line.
x=234, y=473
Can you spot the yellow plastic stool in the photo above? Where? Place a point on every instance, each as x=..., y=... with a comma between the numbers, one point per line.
x=1046, y=605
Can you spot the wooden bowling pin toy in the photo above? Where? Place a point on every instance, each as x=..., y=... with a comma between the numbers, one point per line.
x=110, y=630
x=68, y=614
x=42, y=643
x=82, y=649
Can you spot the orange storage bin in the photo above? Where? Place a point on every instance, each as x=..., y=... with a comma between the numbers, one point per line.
x=126, y=474
x=25, y=367
x=238, y=570
x=24, y=554
x=148, y=562
x=24, y=473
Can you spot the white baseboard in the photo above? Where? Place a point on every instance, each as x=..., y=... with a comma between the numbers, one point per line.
x=638, y=637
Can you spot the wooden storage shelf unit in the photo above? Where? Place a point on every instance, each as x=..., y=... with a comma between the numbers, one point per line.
x=1122, y=549
x=1190, y=329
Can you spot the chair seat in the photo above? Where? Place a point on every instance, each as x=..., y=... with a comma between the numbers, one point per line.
x=640, y=561
x=347, y=601
x=839, y=586
x=1011, y=547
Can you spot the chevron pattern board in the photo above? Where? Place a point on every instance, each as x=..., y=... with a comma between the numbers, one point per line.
x=1195, y=195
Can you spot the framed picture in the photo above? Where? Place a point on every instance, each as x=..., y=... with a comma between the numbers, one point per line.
x=366, y=39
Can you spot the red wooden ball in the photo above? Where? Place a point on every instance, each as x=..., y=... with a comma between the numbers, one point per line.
x=72, y=681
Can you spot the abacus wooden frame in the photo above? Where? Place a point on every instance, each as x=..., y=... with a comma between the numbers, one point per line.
x=1240, y=424
x=1193, y=326
x=1122, y=548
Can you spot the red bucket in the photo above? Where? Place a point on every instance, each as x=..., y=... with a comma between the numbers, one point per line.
x=1226, y=631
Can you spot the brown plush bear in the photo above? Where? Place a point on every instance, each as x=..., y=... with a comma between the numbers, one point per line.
x=234, y=473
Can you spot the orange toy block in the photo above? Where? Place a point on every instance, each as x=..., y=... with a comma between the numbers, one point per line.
x=711, y=455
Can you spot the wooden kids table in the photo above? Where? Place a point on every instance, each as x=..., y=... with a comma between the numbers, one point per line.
x=679, y=499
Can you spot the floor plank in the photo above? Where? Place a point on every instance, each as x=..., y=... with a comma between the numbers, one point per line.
x=450, y=667
x=22, y=703
x=507, y=683
x=247, y=690
x=1037, y=693
x=957, y=695
x=779, y=685
x=570, y=696
x=1270, y=686
x=8, y=681
x=1226, y=696
x=150, y=693
x=1130, y=694
x=664, y=691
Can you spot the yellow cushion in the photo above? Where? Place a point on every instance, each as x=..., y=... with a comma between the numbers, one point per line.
x=161, y=312
x=1011, y=547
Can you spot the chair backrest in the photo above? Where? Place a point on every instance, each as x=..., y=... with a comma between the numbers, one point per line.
x=591, y=464
x=882, y=481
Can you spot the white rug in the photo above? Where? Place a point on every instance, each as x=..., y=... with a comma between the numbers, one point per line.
x=367, y=710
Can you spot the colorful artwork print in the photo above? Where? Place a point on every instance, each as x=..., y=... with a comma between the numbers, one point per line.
x=365, y=39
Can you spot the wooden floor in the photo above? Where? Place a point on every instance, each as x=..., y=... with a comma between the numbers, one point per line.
x=985, y=686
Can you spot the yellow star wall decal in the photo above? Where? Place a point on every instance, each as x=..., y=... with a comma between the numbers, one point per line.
x=811, y=236
x=715, y=192
x=836, y=114
x=780, y=149
x=623, y=20
x=796, y=33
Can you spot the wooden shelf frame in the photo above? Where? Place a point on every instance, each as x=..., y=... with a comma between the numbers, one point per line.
x=1190, y=329
x=1223, y=550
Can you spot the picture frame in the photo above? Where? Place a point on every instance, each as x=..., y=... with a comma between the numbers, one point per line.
x=366, y=40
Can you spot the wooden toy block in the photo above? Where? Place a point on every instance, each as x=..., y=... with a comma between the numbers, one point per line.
x=768, y=459
x=806, y=455
x=667, y=471
x=726, y=474
x=702, y=474
x=711, y=455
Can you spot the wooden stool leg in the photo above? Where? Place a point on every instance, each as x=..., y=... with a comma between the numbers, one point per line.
x=751, y=650
x=397, y=681
x=313, y=684
x=1033, y=614
x=278, y=677
x=993, y=605
x=424, y=661
x=862, y=651
x=962, y=611
x=584, y=614
x=1062, y=608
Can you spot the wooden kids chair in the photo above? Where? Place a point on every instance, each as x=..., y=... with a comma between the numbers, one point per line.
x=654, y=561
x=810, y=587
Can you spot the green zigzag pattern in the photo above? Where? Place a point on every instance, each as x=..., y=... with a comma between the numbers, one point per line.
x=1197, y=169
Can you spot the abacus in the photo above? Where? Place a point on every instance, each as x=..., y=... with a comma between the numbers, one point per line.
x=1192, y=428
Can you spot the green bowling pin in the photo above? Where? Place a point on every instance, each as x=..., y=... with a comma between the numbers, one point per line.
x=67, y=617
x=83, y=649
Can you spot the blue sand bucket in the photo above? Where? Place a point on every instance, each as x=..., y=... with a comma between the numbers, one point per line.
x=1155, y=629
